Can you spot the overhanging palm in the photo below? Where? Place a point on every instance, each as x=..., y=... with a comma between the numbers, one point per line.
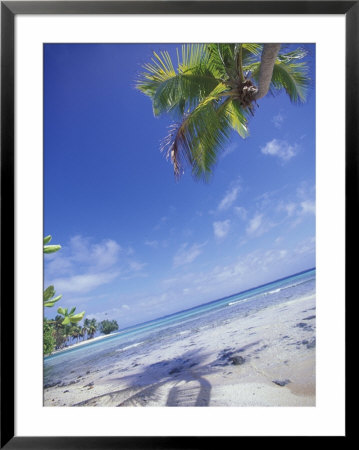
x=213, y=91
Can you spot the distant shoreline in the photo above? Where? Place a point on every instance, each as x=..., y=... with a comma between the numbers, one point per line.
x=79, y=344
x=89, y=341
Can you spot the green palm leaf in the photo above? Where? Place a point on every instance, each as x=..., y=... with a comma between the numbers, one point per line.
x=288, y=75
x=198, y=139
x=66, y=321
x=293, y=78
x=51, y=248
x=238, y=118
x=49, y=299
x=76, y=318
x=50, y=303
x=179, y=91
x=62, y=311
x=49, y=292
x=47, y=239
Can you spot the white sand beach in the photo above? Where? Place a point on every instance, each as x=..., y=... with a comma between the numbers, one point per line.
x=264, y=359
x=85, y=342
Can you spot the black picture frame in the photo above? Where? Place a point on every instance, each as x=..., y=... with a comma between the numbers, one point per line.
x=9, y=9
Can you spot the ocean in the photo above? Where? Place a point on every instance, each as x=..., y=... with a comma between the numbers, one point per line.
x=142, y=338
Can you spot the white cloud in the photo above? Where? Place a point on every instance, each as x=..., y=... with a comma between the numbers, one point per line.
x=255, y=223
x=187, y=254
x=228, y=200
x=106, y=253
x=308, y=207
x=278, y=120
x=281, y=149
x=299, y=209
x=82, y=253
x=83, y=283
x=230, y=149
x=153, y=244
x=136, y=266
x=221, y=229
x=289, y=208
x=245, y=271
x=307, y=246
x=114, y=313
x=82, y=266
x=241, y=212
x=161, y=222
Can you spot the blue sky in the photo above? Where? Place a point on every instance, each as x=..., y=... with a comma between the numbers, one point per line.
x=136, y=244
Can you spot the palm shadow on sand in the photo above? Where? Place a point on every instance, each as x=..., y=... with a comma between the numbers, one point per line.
x=185, y=375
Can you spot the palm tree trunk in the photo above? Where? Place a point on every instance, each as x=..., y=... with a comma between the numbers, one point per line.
x=269, y=55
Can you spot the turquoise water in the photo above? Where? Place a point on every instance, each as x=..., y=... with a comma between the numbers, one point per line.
x=65, y=365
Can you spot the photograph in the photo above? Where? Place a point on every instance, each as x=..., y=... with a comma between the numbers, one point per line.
x=179, y=224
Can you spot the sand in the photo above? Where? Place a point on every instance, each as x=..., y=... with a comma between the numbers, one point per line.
x=85, y=342
x=264, y=359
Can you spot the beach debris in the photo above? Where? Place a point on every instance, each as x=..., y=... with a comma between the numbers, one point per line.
x=304, y=326
x=237, y=360
x=311, y=343
x=309, y=318
x=50, y=385
x=72, y=382
x=224, y=357
x=229, y=356
x=90, y=384
x=281, y=382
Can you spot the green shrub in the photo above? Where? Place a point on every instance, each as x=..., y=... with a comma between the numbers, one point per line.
x=49, y=340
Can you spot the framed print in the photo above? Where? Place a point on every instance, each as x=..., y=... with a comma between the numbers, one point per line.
x=178, y=182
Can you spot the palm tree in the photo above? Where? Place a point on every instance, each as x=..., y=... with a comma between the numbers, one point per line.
x=213, y=91
x=86, y=327
x=92, y=328
x=75, y=332
x=67, y=333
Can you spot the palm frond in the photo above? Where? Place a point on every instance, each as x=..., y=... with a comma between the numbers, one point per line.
x=198, y=139
x=193, y=55
x=176, y=92
x=296, y=54
x=251, y=53
x=237, y=118
x=293, y=78
x=288, y=75
x=157, y=71
x=183, y=92
x=222, y=61
x=253, y=49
